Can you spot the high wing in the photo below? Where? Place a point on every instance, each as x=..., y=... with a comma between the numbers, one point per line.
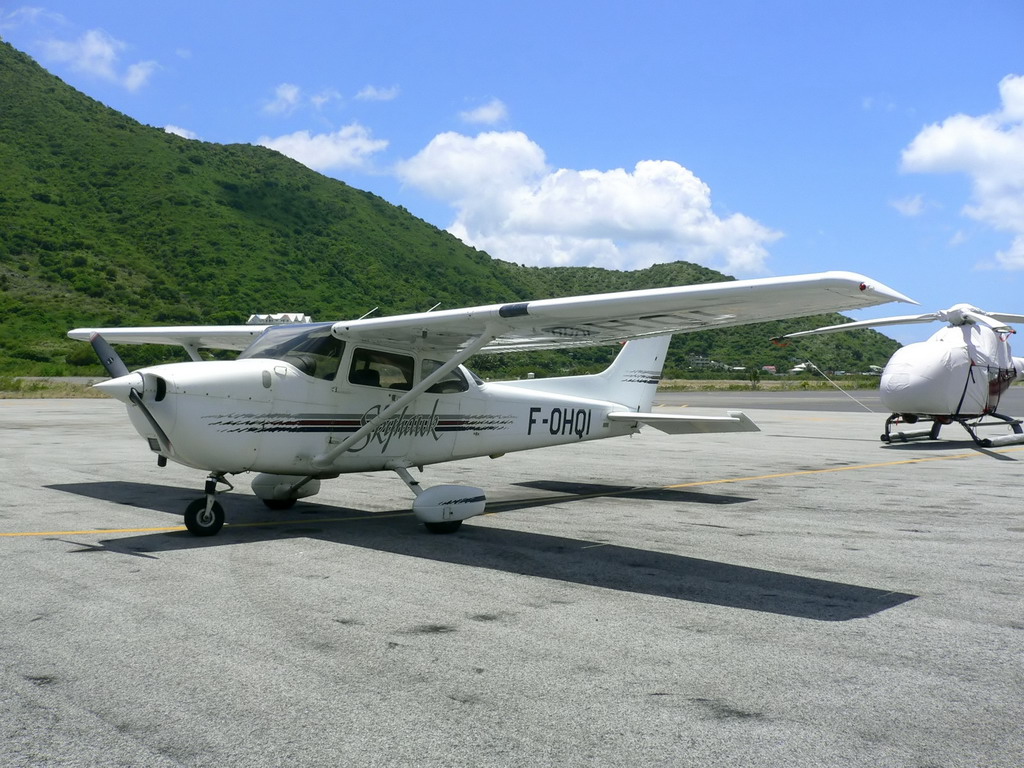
x=192, y=337
x=567, y=322
x=610, y=317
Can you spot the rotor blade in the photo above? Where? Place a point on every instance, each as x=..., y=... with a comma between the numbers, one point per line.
x=988, y=321
x=111, y=360
x=161, y=436
x=1006, y=317
x=929, y=317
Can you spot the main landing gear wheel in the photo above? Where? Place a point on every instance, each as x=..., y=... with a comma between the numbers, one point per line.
x=201, y=522
x=449, y=526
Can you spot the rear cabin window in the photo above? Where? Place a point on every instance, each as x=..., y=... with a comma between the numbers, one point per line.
x=376, y=368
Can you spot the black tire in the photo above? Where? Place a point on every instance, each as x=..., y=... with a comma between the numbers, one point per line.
x=199, y=523
x=279, y=503
x=449, y=526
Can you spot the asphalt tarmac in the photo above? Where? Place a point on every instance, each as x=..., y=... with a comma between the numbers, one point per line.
x=804, y=596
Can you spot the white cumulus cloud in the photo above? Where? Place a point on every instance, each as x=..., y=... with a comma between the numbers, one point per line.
x=138, y=74
x=349, y=147
x=909, y=206
x=511, y=203
x=289, y=97
x=27, y=16
x=373, y=93
x=185, y=133
x=324, y=97
x=98, y=54
x=286, y=98
x=990, y=150
x=458, y=168
x=491, y=113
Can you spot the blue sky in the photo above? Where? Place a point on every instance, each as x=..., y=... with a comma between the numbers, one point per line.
x=758, y=138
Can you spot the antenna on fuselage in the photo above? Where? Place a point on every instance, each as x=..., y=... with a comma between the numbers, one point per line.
x=363, y=317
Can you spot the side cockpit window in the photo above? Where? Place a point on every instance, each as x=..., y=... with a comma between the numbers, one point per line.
x=453, y=382
x=313, y=350
x=319, y=357
x=376, y=368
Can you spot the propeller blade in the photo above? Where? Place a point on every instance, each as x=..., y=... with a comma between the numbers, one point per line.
x=129, y=388
x=111, y=360
x=929, y=317
x=161, y=436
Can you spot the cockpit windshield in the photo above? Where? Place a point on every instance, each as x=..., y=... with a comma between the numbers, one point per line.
x=309, y=347
x=314, y=350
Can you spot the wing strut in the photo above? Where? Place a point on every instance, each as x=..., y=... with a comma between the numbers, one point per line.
x=324, y=460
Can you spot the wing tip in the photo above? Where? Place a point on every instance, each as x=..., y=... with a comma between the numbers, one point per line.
x=872, y=287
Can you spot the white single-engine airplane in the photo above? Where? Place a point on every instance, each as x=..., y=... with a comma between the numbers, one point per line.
x=303, y=403
x=957, y=375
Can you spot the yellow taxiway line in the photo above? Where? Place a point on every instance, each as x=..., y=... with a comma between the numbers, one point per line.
x=876, y=465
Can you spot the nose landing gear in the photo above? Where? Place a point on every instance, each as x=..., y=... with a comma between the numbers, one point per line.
x=205, y=517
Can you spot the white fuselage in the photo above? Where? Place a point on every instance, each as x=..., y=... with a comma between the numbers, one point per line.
x=264, y=415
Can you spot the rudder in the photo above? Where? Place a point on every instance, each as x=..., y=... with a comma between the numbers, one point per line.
x=632, y=378
x=630, y=381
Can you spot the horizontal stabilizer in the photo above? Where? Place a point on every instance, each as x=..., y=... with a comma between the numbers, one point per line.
x=679, y=424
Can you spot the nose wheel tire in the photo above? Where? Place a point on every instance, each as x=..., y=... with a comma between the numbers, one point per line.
x=201, y=522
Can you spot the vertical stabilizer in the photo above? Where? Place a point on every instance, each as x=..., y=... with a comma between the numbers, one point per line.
x=631, y=380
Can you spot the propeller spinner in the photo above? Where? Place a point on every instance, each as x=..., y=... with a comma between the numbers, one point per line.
x=125, y=386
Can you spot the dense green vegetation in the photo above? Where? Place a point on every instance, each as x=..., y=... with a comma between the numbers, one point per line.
x=104, y=221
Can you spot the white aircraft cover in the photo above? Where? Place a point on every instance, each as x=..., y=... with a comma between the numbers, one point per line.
x=946, y=375
x=567, y=322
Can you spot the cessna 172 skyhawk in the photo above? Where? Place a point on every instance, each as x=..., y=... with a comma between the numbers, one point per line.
x=303, y=403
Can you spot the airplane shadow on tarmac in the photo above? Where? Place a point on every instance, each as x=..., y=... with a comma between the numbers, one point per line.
x=576, y=561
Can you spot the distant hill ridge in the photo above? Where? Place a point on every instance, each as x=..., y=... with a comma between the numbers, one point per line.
x=106, y=221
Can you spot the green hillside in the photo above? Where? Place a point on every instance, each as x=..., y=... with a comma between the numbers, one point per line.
x=105, y=221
